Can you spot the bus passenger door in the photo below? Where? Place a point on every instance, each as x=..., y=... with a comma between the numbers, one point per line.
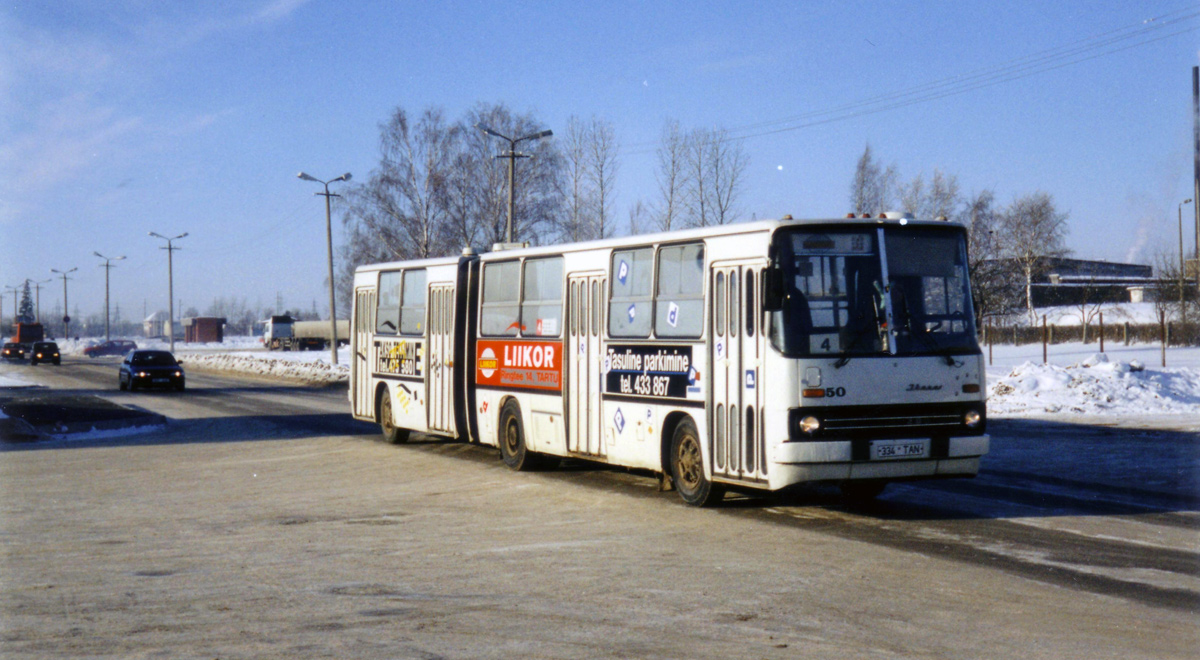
x=581, y=395
x=441, y=359
x=737, y=349
x=362, y=402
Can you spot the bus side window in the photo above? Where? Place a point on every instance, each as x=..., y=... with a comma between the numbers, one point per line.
x=542, y=304
x=596, y=308
x=501, y=291
x=629, y=308
x=388, y=313
x=719, y=304
x=574, y=308
x=751, y=309
x=412, y=303
x=679, y=305
x=734, y=307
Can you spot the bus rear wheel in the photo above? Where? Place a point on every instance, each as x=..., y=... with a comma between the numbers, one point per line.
x=513, y=450
x=687, y=468
x=391, y=433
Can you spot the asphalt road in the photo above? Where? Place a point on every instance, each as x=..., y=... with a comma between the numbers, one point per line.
x=262, y=521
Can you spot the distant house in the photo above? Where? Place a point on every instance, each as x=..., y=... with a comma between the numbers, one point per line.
x=1077, y=281
x=1062, y=281
x=203, y=330
x=156, y=325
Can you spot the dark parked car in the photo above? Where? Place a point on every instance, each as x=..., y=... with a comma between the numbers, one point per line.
x=44, y=351
x=111, y=347
x=13, y=351
x=150, y=369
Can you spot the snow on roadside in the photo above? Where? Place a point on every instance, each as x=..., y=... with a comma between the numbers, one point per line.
x=313, y=371
x=1095, y=386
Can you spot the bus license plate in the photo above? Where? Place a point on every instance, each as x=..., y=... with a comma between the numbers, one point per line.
x=883, y=450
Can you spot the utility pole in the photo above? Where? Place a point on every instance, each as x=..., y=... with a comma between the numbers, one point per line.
x=512, y=157
x=333, y=358
x=107, y=267
x=1196, y=165
x=66, y=314
x=37, y=287
x=170, y=283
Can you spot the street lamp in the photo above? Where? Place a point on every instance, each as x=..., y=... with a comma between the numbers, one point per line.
x=512, y=156
x=170, y=283
x=1182, y=268
x=107, y=267
x=329, y=245
x=66, y=312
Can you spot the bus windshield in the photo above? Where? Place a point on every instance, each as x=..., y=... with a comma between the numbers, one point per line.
x=836, y=301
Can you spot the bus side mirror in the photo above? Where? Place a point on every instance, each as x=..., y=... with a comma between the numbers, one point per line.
x=772, y=289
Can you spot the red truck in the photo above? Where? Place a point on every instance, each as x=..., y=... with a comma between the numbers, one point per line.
x=27, y=333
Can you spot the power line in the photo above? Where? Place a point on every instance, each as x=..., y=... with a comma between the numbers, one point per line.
x=1082, y=50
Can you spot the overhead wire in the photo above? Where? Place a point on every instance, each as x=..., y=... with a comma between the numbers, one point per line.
x=1043, y=61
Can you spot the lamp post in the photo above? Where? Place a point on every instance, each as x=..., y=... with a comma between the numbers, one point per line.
x=333, y=358
x=107, y=267
x=512, y=156
x=1182, y=267
x=170, y=283
x=66, y=310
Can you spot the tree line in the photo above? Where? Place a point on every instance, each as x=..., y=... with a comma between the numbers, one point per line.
x=439, y=187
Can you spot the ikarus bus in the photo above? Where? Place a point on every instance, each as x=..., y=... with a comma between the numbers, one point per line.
x=752, y=356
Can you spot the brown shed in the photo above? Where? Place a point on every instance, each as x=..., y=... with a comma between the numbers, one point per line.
x=203, y=330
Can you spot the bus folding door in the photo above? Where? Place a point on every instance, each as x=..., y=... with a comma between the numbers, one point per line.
x=737, y=346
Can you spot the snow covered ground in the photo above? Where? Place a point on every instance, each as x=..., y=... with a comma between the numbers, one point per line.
x=1124, y=382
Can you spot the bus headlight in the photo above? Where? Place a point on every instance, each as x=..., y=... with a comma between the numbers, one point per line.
x=972, y=419
x=810, y=425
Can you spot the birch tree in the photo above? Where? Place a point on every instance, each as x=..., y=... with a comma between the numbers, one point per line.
x=1032, y=228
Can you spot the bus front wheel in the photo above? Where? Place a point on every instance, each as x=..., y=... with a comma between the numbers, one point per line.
x=391, y=433
x=687, y=468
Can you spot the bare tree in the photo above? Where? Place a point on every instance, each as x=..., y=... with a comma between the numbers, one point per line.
x=439, y=188
x=639, y=218
x=1032, y=229
x=944, y=198
x=872, y=188
x=672, y=175
x=602, y=168
x=912, y=196
x=402, y=203
x=728, y=172
x=576, y=191
x=716, y=168
x=698, y=195
x=992, y=277
x=538, y=199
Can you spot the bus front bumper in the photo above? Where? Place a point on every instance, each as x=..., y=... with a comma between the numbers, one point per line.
x=837, y=460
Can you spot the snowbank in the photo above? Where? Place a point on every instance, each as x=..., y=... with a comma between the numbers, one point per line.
x=283, y=365
x=1095, y=386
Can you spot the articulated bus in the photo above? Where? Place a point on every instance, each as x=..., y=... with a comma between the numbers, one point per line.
x=751, y=356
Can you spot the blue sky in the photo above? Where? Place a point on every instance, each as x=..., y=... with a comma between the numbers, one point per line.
x=121, y=118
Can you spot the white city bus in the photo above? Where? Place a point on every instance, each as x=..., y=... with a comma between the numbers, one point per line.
x=751, y=356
